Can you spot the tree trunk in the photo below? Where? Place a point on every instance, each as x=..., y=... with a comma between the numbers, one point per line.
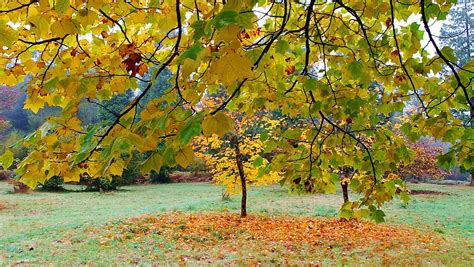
x=345, y=193
x=240, y=166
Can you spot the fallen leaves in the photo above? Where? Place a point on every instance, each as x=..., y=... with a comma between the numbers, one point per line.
x=218, y=235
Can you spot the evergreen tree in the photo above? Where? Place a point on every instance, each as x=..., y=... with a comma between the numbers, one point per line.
x=457, y=31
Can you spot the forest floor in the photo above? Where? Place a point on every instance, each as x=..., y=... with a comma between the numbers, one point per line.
x=190, y=224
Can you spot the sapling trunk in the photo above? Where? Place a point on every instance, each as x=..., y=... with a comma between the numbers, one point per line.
x=240, y=167
x=345, y=193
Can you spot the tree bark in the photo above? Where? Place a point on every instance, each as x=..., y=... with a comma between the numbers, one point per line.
x=345, y=192
x=240, y=166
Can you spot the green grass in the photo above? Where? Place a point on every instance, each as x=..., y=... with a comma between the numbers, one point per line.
x=54, y=228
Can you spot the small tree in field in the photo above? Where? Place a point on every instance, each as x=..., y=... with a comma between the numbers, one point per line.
x=425, y=160
x=236, y=161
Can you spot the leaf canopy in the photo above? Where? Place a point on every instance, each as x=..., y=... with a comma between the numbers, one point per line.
x=338, y=73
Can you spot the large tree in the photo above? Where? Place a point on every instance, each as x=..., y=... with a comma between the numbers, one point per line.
x=457, y=33
x=312, y=59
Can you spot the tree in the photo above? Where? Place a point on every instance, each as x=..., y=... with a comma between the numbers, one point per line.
x=425, y=161
x=307, y=59
x=237, y=160
x=8, y=96
x=458, y=34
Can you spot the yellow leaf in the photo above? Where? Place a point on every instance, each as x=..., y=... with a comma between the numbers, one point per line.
x=151, y=111
x=64, y=27
x=29, y=181
x=228, y=34
x=73, y=175
x=189, y=65
x=185, y=156
x=34, y=104
x=116, y=169
x=154, y=162
x=51, y=139
x=219, y=124
x=231, y=68
x=7, y=35
x=6, y=160
x=39, y=25
x=87, y=17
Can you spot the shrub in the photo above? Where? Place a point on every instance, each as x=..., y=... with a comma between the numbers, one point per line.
x=162, y=177
x=98, y=184
x=131, y=175
x=53, y=184
x=6, y=174
x=101, y=184
x=198, y=166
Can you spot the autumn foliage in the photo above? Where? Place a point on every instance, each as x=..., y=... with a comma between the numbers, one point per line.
x=216, y=236
x=425, y=161
x=8, y=96
x=219, y=154
x=309, y=61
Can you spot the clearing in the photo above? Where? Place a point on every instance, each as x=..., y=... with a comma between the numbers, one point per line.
x=188, y=223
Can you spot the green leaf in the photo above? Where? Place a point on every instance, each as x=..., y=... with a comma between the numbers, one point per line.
x=282, y=182
x=432, y=10
x=86, y=145
x=354, y=184
x=282, y=47
x=448, y=52
x=191, y=53
x=6, y=160
x=448, y=160
x=199, y=29
x=264, y=136
x=168, y=157
x=246, y=20
x=378, y=216
x=258, y=162
x=310, y=84
x=224, y=18
x=191, y=129
x=404, y=197
x=356, y=68
x=61, y=6
x=346, y=214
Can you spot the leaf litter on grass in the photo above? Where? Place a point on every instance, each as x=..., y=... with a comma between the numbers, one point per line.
x=220, y=236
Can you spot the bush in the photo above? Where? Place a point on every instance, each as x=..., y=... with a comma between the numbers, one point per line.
x=98, y=184
x=53, y=184
x=198, y=166
x=131, y=175
x=6, y=174
x=102, y=184
x=162, y=177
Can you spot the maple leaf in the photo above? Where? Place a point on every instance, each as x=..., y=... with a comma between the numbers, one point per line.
x=231, y=68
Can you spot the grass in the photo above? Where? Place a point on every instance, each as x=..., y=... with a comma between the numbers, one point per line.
x=59, y=228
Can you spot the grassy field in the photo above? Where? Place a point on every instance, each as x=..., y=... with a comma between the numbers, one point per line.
x=61, y=228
